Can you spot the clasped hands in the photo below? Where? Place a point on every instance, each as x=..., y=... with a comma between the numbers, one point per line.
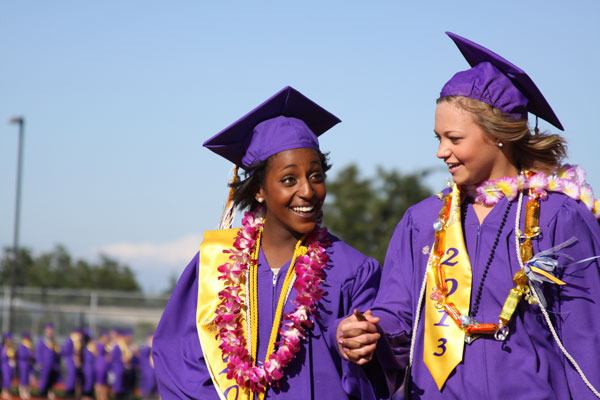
x=357, y=337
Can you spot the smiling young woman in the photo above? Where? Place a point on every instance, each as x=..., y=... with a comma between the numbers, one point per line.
x=254, y=314
x=491, y=289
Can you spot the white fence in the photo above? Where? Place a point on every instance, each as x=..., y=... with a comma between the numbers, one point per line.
x=70, y=308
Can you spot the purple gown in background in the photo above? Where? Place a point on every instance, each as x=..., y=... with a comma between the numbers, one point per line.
x=101, y=364
x=317, y=372
x=48, y=362
x=147, y=375
x=72, y=359
x=89, y=370
x=25, y=362
x=528, y=365
x=9, y=366
x=124, y=373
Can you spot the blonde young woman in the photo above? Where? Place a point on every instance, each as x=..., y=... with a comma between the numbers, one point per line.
x=491, y=289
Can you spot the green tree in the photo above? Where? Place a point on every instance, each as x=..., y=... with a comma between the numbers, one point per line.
x=57, y=269
x=364, y=210
x=172, y=284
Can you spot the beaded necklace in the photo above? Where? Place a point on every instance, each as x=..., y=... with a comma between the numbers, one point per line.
x=475, y=310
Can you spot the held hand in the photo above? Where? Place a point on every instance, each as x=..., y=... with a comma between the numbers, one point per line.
x=357, y=337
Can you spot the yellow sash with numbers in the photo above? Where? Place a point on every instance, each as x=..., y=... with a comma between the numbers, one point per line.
x=444, y=340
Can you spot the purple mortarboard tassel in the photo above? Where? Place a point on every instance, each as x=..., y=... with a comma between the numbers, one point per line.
x=287, y=120
x=497, y=82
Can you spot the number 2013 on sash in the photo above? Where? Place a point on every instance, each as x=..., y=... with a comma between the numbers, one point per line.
x=452, y=253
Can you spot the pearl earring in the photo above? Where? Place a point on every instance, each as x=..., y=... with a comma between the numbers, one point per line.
x=260, y=199
x=500, y=144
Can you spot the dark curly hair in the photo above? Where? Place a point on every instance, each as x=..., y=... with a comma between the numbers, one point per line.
x=244, y=190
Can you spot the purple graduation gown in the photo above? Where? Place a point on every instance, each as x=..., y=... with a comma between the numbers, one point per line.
x=9, y=367
x=89, y=371
x=529, y=364
x=24, y=363
x=49, y=366
x=101, y=364
x=124, y=373
x=317, y=371
x=72, y=371
x=147, y=376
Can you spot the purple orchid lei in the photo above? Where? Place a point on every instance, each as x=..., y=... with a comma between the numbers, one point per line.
x=309, y=276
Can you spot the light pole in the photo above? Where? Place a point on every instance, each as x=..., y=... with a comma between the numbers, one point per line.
x=8, y=320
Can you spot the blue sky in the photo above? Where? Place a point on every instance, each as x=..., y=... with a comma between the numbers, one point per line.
x=118, y=97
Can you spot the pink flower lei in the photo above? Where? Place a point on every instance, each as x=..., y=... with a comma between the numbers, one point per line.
x=568, y=179
x=309, y=276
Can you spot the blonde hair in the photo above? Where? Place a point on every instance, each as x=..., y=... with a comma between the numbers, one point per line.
x=539, y=151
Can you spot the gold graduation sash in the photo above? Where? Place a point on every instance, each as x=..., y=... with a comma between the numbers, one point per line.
x=209, y=286
x=126, y=353
x=444, y=340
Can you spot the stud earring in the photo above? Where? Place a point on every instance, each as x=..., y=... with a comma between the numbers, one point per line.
x=260, y=199
x=500, y=144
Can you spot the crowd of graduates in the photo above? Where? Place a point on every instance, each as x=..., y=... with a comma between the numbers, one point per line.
x=109, y=366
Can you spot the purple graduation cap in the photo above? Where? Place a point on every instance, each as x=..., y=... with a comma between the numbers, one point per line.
x=288, y=120
x=497, y=82
x=126, y=331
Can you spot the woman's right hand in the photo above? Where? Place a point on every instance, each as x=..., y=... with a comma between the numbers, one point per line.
x=357, y=337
